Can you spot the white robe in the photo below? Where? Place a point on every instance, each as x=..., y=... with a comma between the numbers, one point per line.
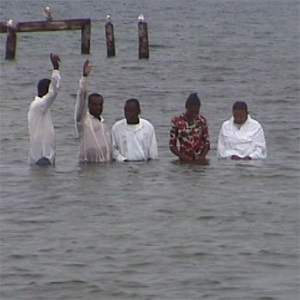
x=134, y=142
x=94, y=135
x=248, y=140
x=40, y=126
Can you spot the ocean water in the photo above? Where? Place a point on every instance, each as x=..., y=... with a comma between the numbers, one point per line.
x=157, y=230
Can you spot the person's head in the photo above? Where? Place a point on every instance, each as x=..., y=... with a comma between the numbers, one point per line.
x=43, y=87
x=95, y=105
x=192, y=106
x=132, y=111
x=240, y=112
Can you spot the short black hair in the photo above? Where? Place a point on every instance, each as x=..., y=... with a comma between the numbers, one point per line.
x=93, y=95
x=133, y=100
x=43, y=86
x=240, y=105
x=192, y=100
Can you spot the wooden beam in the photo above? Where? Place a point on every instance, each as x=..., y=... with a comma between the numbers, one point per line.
x=36, y=26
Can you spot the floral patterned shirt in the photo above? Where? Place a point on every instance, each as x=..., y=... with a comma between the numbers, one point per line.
x=189, y=136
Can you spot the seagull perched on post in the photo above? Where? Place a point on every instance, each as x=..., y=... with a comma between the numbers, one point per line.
x=108, y=18
x=141, y=18
x=10, y=24
x=47, y=13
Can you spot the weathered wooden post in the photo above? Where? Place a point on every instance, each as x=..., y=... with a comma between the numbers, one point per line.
x=11, y=41
x=86, y=37
x=110, y=39
x=143, y=38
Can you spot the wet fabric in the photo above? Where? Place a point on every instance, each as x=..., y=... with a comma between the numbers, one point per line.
x=40, y=126
x=94, y=135
x=134, y=142
x=190, y=136
x=245, y=140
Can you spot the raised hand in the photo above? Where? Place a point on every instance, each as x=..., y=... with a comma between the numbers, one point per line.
x=86, y=68
x=55, y=61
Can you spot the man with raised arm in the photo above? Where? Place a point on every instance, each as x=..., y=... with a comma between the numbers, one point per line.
x=94, y=135
x=41, y=130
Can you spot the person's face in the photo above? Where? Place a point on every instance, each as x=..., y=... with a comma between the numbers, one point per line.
x=192, y=111
x=240, y=116
x=96, y=106
x=131, y=112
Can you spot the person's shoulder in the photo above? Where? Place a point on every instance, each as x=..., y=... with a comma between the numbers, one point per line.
x=226, y=124
x=177, y=119
x=254, y=122
x=146, y=122
x=34, y=103
x=119, y=123
x=201, y=118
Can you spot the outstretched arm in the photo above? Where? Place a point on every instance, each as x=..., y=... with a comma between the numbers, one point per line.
x=81, y=103
x=47, y=100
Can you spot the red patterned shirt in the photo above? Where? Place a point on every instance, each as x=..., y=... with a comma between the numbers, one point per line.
x=189, y=136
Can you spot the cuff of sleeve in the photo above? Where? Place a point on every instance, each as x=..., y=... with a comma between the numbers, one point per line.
x=55, y=72
x=120, y=158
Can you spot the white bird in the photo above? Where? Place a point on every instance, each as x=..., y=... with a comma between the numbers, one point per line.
x=47, y=13
x=10, y=24
x=141, y=18
x=108, y=18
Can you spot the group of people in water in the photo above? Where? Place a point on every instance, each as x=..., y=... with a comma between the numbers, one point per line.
x=133, y=138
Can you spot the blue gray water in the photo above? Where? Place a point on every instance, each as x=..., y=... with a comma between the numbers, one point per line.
x=155, y=230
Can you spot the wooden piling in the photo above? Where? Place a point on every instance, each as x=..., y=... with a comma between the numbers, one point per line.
x=11, y=43
x=85, y=38
x=110, y=39
x=143, y=39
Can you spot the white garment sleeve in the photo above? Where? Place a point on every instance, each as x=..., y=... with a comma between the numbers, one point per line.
x=81, y=103
x=221, y=149
x=116, y=155
x=47, y=100
x=259, y=142
x=153, y=152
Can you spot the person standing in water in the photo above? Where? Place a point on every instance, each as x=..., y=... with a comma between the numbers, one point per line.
x=41, y=131
x=189, y=138
x=133, y=137
x=94, y=135
x=241, y=137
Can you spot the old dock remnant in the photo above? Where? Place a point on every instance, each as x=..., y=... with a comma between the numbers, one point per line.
x=37, y=26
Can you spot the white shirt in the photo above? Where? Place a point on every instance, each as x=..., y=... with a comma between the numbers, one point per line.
x=134, y=142
x=40, y=126
x=245, y=140
x=94, y=135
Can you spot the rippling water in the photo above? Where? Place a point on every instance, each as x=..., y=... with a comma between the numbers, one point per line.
x=155, y=230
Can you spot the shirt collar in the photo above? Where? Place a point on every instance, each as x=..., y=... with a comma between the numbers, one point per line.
x=101, y=118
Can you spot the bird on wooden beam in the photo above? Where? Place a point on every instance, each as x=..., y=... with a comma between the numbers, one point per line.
x=47, y=13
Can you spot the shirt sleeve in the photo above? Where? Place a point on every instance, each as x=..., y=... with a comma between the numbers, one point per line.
x=46, y=101
x=205, y=134
x=81, y=103
x=221, y=148
x=116, y=155
x=260, y=148
x=173, y=133
x=153, y=151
